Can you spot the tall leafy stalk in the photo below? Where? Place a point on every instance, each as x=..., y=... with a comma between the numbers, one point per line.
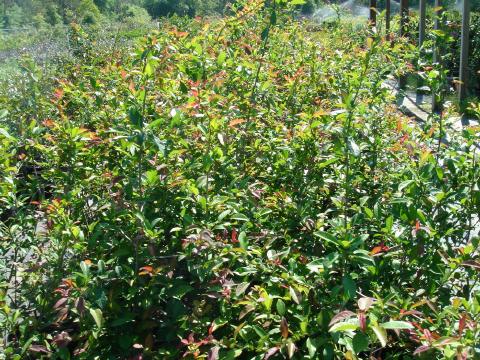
x=348, y=137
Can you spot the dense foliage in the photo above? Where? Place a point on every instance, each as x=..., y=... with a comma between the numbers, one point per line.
x=448, y=39
x=52, y=12
x=238, y=188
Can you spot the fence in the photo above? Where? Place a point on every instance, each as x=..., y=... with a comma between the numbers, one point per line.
x=404, y=15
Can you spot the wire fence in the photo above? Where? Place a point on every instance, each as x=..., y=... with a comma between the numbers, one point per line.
x=47, y=45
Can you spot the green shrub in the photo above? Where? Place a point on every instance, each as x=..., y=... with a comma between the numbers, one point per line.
x=234, y=188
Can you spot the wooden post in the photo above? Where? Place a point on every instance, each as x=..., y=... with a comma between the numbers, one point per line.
x=462, y=91
x=421, y=27
x=421, y=39
x=437, y=106
x=387, y=17
x=402, y=81
x=373, y=13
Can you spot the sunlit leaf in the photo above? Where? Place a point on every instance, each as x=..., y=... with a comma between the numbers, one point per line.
x=395, y=324
x=97, y=316
x=381, y=334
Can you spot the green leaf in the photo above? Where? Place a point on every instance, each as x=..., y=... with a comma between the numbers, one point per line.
x=389, y=224
x=202, y=182
x=326, y=163
x=344, y=326
x=326, y=236
x=242, y=239
x=260, y=332
x=5, y=133
x=135, y=117
x=354, y=148
x=360, y=342
x=273, y=17
x=349, y=286
x=223, y=215
x=241, y=288
x=240, y=217
x=439, y=172
x=85, y=268
x=3, y=113
x=101, y=266
x=290, y=348
x=97, y=316
x=263, y=212
x=265, y=32
x=125, y=318
x=316, y=265
x=405, y=184
x=368, y=212
x=179, y=290
x=311, y=347
x=295, y=297
x=381, y=334
x=221, y=58
x=281, y=309
x=395, y=324
x=231, y=354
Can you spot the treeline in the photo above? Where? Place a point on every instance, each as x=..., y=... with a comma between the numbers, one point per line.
x=38, y=13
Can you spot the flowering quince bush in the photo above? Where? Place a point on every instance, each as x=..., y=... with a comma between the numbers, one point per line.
x=235, y=188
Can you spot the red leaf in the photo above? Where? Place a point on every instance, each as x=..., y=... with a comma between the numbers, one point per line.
x=68, y=282
x=131, y=87
x=62, y=339
x=428, y=335
x=421, y=349
x=461, y=324
x=145, y=270
x=213, y=353
x=410, y=312
x=365, y=303
x=380, y=248
x=284, y=328
x=341, y=316
x=362, y=319
x=417, y=326
x=472, y=263
x=236, y=122
x=462, y=355
x=38, y=349
x=270, y=352
x=59, y=93
x=376, y=250
x=48, y=123
x=80, y=305
x=234, y=236
x=62, y=314
x=59, y=304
